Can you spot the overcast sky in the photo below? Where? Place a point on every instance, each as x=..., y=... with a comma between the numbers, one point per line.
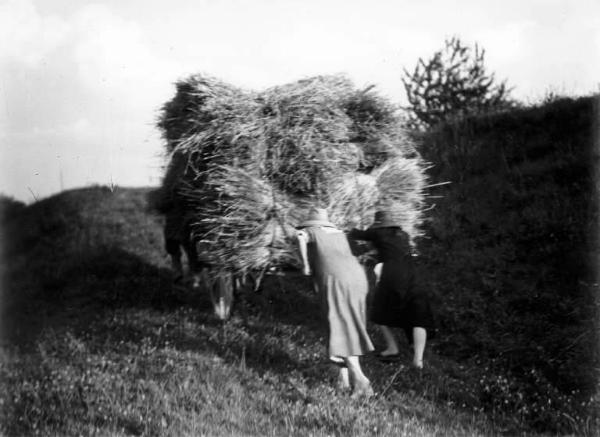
x=81, y=81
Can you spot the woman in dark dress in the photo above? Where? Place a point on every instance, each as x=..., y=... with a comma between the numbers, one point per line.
x=397, y=300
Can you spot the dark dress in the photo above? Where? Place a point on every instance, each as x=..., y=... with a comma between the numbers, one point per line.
x=397, y=300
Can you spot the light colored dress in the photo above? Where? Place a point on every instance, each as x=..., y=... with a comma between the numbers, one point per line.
x=343, y=287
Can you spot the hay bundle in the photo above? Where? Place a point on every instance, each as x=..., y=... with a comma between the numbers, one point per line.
x=307, y=135
x=211, y=122
x=241, y=221
x=256, y=161
x=377, y=128
x=401, y=183
x=200, y=101
x=397, y=186
x=353, y=202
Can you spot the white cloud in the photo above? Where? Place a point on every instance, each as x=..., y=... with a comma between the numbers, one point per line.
x=508, y=42
x=99, y=61
x=27, y=36
x=79, y=98
x=86, y=79
x=115, y=62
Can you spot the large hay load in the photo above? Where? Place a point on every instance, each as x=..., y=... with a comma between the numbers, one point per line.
x=254, y=162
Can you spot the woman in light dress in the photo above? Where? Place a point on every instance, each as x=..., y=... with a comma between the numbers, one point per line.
x=342, y=284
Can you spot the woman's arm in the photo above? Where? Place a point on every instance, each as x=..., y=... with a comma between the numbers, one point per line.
x=303, y=246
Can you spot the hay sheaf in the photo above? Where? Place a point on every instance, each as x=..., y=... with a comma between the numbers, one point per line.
x=254, y=163
x=306, y=135
x=200, y=101
x=241, y=221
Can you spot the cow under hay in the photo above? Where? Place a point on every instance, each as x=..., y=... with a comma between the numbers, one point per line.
x=247, y=165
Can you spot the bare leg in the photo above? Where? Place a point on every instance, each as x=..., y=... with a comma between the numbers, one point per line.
x=391, y=346
x=390, y=341
x=177, y=266
x=195, y=267
x=419, y=340
x=360, y=383
x=196, y=280
x=221, y=296
x=343, y=380
x=174, y=250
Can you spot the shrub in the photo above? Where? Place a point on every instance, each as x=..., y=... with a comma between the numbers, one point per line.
x=453, y=82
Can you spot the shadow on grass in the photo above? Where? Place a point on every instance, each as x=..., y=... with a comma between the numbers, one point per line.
x=70, y=292
x=59, y=293
x=270, y=329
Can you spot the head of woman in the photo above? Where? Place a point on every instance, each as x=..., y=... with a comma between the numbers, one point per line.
x=316, y=217
x=385, y=220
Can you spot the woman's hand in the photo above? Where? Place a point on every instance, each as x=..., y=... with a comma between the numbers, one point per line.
x=377, y=269
x=302, y=243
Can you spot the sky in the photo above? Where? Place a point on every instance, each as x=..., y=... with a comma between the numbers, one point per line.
x=82, y=82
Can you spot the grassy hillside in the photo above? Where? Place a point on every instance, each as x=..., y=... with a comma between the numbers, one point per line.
x=513, y=253
x=95, y=340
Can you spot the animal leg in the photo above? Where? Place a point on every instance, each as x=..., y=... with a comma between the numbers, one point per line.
x=177, y=267
x=222, y=296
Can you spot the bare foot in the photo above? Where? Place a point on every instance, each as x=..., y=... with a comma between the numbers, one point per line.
x=363, y=390
x=343, y=380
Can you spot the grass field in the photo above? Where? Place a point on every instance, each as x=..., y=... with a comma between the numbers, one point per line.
x=97, y=342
